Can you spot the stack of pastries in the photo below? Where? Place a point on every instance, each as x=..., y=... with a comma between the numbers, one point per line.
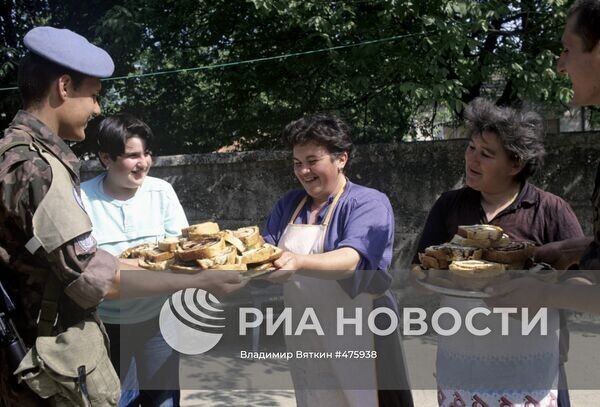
x=477, y=256
x=205, y=246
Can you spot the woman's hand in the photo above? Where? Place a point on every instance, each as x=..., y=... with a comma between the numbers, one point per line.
x=334, y=265
x=287, y=265
x=562, y=254
x=525, y=292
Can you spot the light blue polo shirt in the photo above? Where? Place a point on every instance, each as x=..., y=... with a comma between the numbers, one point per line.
x=152, y=214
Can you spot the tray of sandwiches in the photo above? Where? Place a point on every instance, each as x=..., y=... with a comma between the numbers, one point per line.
x=476, y=257
x=205, y=246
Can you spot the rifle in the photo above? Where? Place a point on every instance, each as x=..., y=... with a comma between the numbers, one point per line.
x=9, y=337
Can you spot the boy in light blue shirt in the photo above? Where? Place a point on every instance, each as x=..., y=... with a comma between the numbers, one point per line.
x=128, y=208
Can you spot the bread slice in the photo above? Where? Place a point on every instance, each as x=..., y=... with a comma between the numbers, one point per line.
x=259, y=255
x=137, y=251
x=477, y=274
x=208, y=247
x=205, y=228
x=155, y=266
x=158, y=255
x=476, y=267
x=277, y=252
x=205, y=263
x=250, y=236
x=228, y=256
x=259, y=243
x=234, y=241
x=185, y=268
x=168, y=244
x=502, y=242
x=462, y=241
x=515, y=254
x=453, y=252
x=431, y=262
x=480, y=232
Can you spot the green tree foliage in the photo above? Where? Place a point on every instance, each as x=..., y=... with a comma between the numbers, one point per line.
x=442, y=55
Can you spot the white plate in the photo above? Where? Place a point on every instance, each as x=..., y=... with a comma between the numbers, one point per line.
x=454, y=292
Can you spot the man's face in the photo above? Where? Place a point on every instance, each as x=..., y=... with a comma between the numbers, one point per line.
x=582, y=67
x=79, y=107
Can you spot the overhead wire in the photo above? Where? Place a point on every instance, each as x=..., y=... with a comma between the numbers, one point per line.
x=257, y=60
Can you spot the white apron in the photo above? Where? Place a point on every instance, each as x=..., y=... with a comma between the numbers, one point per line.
x=494, y=370
x=326, y=381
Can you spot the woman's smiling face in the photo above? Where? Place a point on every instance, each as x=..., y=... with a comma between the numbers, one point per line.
x=318, y=170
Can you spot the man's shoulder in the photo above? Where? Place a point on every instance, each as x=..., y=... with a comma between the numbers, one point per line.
x=20, y=158
x=17, y=151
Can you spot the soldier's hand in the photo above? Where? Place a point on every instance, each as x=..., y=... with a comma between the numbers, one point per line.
x=129, y=264
x=220, y=283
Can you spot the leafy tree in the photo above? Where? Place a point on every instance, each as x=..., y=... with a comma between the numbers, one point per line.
x=419, y=63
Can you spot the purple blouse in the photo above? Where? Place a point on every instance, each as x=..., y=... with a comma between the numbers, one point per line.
x=362, y=219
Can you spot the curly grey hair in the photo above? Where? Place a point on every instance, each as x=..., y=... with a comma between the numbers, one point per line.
x=520, y=132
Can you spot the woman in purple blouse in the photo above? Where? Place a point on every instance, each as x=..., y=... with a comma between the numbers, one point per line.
x=337, y=238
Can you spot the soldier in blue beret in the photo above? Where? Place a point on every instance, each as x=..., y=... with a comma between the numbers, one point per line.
x=49, y=262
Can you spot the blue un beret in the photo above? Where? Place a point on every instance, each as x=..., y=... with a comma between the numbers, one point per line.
x=71, y=50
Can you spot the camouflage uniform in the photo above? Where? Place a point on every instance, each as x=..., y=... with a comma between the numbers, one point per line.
x=591, y=257
x=84, y=271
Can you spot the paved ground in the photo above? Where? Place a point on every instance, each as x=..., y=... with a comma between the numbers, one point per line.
x=222, y=372
x=583, y=370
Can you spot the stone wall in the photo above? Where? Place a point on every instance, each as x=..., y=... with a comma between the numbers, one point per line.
x=239, y=189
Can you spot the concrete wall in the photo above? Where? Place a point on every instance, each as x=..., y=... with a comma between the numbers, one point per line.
x=239, y=189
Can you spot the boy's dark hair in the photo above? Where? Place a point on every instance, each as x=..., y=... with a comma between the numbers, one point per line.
x=37, y=73
x=587, y=21
x=326, y=130
x=520, y=132
x=114, y=131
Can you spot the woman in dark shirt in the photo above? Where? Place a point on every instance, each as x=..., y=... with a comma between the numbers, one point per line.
x=504, y=150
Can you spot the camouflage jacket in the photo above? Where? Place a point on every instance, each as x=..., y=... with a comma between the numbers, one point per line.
x=85, y=271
